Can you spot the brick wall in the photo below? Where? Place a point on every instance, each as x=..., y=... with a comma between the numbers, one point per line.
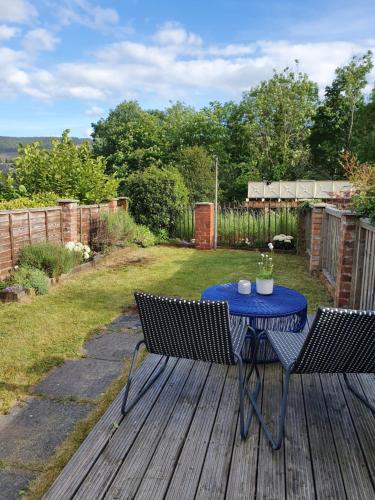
x=63, y=223
x=204, y=226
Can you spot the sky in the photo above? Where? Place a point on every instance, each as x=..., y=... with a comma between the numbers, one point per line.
x=66, y=63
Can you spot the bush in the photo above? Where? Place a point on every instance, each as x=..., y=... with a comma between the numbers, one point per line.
x=53, y=259
x=36, y=201
x=158, y=197
x=144, y=237
x=362, y=175
x=29, y=277
x=67, y=169
x=120, y=228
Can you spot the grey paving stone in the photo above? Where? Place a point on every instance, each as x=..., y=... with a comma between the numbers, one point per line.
x=31, y=432
x=126, y=322
x=13, y=481
x=111, y=346
x=81, y=378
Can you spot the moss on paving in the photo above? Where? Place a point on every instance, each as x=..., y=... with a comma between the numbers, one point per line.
x=42, y=333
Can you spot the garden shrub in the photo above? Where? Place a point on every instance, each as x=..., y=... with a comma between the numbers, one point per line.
x=119, y=228
x=362, y=176
x=35, y=201
x=52, y=258
x=158, y=197
x=29, y=277
x=144, y=237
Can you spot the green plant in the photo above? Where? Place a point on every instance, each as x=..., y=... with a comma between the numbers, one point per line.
x=116, y=228
x=30, y=277
x=54, y=259
x=265, y=265
x=144, y=237
x=35, y=201
x=67, y=169
x=158, y=196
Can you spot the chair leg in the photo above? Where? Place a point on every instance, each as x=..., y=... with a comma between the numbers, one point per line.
x=244, y=390
x=274, y=440
x=358, y=394
x=124, y=408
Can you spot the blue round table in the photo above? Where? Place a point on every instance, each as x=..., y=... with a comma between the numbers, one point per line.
x=284, y=310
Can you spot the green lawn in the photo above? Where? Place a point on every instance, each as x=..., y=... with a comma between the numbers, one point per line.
x=38, y=335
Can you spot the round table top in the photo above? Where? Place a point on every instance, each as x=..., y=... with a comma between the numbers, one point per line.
x=283, y=301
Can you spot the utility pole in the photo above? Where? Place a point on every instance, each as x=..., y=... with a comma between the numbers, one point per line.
x=216, y=193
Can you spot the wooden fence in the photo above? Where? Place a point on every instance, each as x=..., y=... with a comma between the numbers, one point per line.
x=341, y=249
x=66, y=222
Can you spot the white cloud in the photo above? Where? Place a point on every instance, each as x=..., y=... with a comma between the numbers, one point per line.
x=87, y=14
x=7, y=32
x=39, y=39
x=175, y=70
x=94, y=111
x=175, y=34
x=17, y=11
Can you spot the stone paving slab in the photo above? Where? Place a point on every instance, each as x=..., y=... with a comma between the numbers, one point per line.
x=111, y=346
x=80, y=378
x=125, y=323
x=31, y=432
x=13, y=482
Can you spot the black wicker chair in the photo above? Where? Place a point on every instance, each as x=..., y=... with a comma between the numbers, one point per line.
x=339, y=341
x=192, y=329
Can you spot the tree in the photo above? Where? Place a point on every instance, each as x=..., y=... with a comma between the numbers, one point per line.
x=65, y=169
x=335, y=119
x=130, y=139
x=157, y=197
x=364, y=131
x=196, y=167
x=276, y=118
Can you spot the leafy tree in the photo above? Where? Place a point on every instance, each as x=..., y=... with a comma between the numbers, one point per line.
x=364, y=131
x=335, y=119
x=65, y=169
x=157, y=196
x=130, y=139
x=276, y=118
x=196, y=167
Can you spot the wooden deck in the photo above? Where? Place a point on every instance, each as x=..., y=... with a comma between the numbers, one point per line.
x=181, y=441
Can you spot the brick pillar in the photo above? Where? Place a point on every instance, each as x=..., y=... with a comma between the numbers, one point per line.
x=123, y=202
x=316, y=236
x=204, y=226
x=112, y=205
x=69, y=220
x=345, y=259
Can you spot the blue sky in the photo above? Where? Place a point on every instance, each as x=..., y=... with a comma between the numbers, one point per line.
x=65, y=63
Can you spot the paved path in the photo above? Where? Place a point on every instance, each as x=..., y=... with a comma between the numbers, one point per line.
x=38, y=425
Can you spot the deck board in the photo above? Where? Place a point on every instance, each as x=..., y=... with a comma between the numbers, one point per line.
x=182, y=441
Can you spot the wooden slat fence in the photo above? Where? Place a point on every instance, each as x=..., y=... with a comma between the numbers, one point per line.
x=330, y=242
x=363, y=281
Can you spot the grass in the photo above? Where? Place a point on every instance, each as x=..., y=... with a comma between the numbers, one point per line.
x=42, y=333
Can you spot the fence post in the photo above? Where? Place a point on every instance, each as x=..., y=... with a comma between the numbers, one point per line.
x=69, y=219
x=123, y=202
x=204, y=226
x=316, y=237
x=345, y=260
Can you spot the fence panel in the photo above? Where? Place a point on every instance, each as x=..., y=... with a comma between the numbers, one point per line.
x=367, y=296
x=330, y=242
x=184, y=225
x=241, y=226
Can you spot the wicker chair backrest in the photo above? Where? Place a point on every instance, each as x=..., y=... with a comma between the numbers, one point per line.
x=193, y=329
x=339, y=341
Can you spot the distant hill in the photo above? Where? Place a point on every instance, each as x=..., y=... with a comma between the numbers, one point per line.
x=9, y=145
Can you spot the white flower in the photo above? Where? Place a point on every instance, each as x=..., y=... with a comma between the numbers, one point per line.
x=262, y=255
x=270, y=246
x=86, y=255
x=86, y=249
x=70, y=245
